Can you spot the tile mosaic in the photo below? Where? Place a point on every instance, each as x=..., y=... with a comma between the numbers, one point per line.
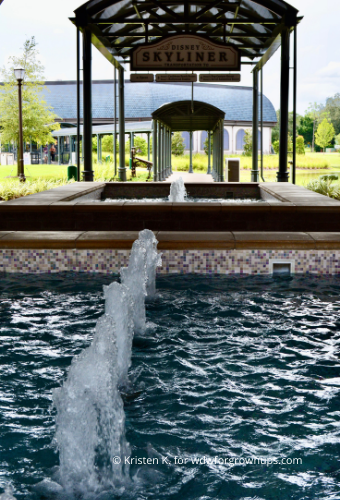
x=186, y=261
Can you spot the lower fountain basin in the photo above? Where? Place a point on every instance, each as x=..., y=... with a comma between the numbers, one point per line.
x=229, y=370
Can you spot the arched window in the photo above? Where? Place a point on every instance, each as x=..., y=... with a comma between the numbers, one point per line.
x=226, y=140
x=240, y=140
x=204, y=135
x=186, y=137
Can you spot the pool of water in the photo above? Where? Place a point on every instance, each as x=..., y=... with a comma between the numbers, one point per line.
x=230, y=370
x=188, y=199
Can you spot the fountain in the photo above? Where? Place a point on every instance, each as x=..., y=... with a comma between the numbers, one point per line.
x=177, y=191
x=90, y=422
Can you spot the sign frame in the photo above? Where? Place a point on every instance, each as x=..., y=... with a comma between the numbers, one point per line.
x=211, y=47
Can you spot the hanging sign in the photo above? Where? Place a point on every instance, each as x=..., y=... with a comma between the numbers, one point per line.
x=185, y=52
x=176, y=78
x=220, y=78
x=140, y=78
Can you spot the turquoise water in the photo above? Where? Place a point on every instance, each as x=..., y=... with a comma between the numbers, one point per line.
x=229, y=370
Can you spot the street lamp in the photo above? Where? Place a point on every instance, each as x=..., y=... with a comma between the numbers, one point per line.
x=20, y=75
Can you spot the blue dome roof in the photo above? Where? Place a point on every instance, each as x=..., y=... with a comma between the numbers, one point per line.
x=142, y=99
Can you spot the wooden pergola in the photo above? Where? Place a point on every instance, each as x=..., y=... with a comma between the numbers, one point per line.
x=256, y=28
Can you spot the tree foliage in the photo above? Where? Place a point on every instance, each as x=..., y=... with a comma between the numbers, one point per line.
x=139, y=143
x=38, y=118
x=177, y=144
x=333, y=110
x=300, y=145
x=206, y=144
x=248, y=143
x=325, y=133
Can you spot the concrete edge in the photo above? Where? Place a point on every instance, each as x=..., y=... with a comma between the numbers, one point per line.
x=91, y=240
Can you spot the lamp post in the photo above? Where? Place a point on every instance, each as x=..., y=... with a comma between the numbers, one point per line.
x=20, y=75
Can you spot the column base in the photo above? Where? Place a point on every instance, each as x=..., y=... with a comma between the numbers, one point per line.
x=255, y=176
x=87, y=176
x=122, y=174
x=282, y=177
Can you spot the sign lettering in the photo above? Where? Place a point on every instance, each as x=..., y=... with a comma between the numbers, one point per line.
x=185, y=52
x=220, y=78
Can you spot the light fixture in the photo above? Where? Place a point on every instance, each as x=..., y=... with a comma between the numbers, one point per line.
x=19, y=74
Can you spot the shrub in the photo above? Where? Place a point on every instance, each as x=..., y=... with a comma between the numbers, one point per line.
x=177, y=144
x=300, y=145
x=325, y=187
x=206, y=145
x=139, y=143
x=107, y=144
x=248, y=143
x=276, y=146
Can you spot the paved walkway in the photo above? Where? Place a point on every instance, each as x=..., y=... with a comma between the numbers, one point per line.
x=187, y=178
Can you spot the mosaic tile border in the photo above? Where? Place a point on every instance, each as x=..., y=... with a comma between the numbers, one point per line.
x=244, y=262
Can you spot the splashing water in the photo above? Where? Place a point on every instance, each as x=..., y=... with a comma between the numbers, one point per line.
x=119, y=305
x=90, y=422
x=7, y=495
x=178, y=192
x=153, y=260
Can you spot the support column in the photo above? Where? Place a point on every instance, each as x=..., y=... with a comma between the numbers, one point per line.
x=154, y=150
x=294, y=107
x=164, y=154
x=78, y=104
x=122, y=169
x=209, y=152
x=191, y=170
x=283, y=175
x=159, y=152
x=255, y=169
x=87, y=107
x=170, y=151
x=148, y=146
x=59, y=152
x=115, y=122
x=98, y=149
x=222, y=151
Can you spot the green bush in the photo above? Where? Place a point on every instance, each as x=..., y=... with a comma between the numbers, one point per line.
x=177, y=144
x=248, y=143
x=276, y=146
x=139, y=143
x=16, y=189
x=300, y=145
x=325, y=187
x=107, y=144
x=206, y=145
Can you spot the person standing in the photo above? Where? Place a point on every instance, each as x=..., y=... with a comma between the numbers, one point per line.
x=53, y=152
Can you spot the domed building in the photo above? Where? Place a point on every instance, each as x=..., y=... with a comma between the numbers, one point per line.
x=142, y=99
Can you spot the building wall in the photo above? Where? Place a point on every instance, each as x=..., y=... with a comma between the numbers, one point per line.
x=233, y=143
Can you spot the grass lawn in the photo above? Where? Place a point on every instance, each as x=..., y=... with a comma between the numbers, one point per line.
x=42, y=177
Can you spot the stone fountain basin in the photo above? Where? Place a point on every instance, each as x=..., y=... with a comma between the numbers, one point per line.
x=75, y=207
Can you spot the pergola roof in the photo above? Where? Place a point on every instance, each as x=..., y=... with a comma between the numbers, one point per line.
x=254, y=27
x=189, y=115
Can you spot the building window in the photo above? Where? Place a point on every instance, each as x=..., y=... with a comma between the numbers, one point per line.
x=204, y=135
x=240, y=140
x=226, y=140
x=186, y=137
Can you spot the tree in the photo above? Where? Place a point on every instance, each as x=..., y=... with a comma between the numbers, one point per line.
x=305, y=129
x=206, y=144
x=276, y=129
x=248, y=143
x=139, y=143
x=337, y=140
x=333, y=110
x=300, y=145
x=325, y=134
x=315, y=113
x=177, y=144
x=38, y=118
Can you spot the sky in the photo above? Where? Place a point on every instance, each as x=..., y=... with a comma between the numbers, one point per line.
x=47, y=20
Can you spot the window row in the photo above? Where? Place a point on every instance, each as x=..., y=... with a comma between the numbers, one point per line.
x=239, y=139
